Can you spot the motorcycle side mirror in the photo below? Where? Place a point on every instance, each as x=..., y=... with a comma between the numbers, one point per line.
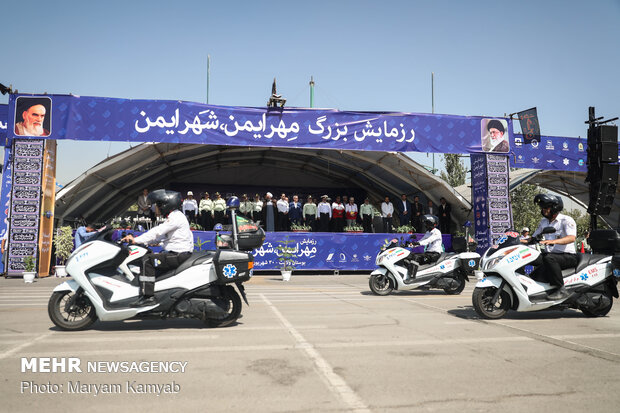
x=548, y=230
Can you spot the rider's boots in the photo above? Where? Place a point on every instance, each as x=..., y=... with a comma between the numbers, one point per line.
x=412, y=269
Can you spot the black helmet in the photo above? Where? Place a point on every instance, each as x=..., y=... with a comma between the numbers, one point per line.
x=430, y=221
x=166, y=201
x=549, y=201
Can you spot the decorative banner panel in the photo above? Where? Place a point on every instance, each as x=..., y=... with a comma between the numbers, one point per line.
x=25, y=199
x=498, y=200
x=480, y=201
x=5, y=191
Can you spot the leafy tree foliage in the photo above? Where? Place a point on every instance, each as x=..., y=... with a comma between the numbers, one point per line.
x=524, y=212
x=455, y=170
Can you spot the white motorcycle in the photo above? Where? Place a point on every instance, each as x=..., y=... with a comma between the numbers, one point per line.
x=504, y=283
x=449, y=272
x=104, y=282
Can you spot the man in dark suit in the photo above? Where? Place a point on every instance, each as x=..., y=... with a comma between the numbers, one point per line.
x=444, y=216
x=417, y=210
x=404, y=210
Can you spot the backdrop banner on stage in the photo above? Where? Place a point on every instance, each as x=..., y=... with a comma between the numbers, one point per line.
x=315, y=250
x=110, y=119
x=4, y=116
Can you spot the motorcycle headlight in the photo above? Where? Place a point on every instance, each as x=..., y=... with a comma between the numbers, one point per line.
x=493, y=261
x=379, y=260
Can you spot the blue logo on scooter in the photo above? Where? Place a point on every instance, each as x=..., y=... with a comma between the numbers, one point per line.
x=584, y=277
x=230, y=271
x=471, y=263
x=616, y=273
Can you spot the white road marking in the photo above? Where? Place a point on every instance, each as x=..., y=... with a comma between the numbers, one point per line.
x=336, y=383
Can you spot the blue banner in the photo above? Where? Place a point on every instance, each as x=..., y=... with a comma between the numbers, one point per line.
x=108, y=119
x=551, y=153
x=4, y=116
x=5, y=190
x=314, y=250
x=480, y=201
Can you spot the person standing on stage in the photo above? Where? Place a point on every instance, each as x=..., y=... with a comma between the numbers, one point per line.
x=387, y=210
x=404, y=210
x=444, y=216
x=294, y=211
x=246, y=207
x=351, y=212
x=270, y=211
x=366, y=212
x=190, y=207
x=431, y=209
x=309, y=213
x=258, y=208
x=417, y=211
x=325, y=214
x=144, y=208
x=206, y=212
x=219, y=209
x=282, y=219
x=338, y=215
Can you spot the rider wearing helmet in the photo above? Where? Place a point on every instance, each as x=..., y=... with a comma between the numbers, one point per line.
x=176, y=238
x=432, y=241
x=561, y=253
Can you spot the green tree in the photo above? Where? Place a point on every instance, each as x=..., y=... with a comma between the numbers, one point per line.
x=524, y=212
x=455, y=170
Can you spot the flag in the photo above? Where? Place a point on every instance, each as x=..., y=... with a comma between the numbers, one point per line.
x=529, y=125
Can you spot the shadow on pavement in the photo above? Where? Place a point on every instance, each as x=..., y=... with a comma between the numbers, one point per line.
x=470, y=314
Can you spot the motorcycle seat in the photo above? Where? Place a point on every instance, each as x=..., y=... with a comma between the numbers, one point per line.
x=588, y=259
x=584, y=261
x=194, y=259
x=444, y=256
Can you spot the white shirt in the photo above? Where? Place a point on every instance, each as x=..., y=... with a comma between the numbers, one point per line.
x=258, y=206
x=325, y=208
x=432, y=240
x=564, y=226
x=282, y=205
x=387, y=209
x=174, y=233
x=190, y=205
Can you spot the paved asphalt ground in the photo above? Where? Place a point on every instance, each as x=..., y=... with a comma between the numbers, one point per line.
x=320, y=344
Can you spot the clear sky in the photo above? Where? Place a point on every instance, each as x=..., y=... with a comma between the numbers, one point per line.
x=489, y=57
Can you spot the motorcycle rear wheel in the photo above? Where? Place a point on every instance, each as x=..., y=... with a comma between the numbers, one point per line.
x=77, y=316
x=481, y=299
x=234, y=309
x=600, y=312
x=460, y=286
x=380, y=284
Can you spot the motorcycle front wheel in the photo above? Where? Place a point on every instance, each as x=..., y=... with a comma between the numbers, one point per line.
x=70, y=312
x=380, y=284
x=482, y=298
x=233, y=309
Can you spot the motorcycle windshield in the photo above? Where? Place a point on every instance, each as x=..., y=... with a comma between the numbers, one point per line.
x=509, y=239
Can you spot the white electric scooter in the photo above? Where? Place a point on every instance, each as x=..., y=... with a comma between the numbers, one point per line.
x=449, y=272
x=104, y=282
x=504, y=284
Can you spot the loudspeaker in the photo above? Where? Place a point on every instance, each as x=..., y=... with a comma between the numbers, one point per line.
x=607, y=151
x=606, y=133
